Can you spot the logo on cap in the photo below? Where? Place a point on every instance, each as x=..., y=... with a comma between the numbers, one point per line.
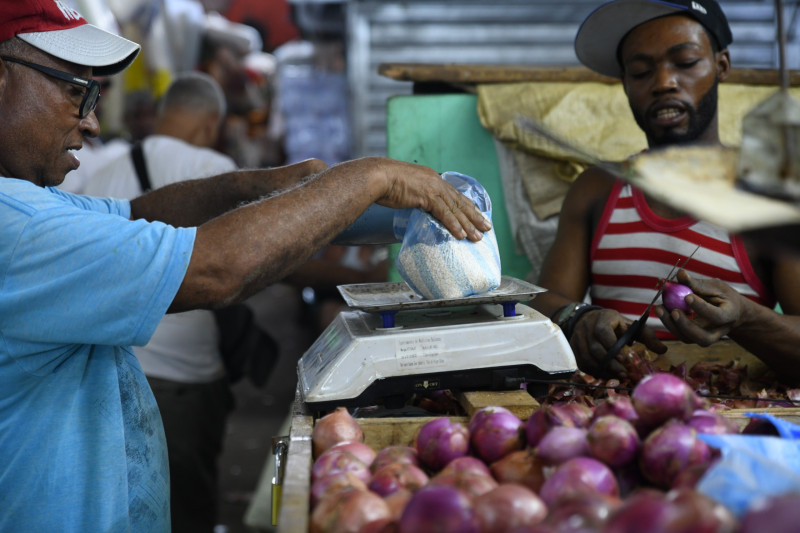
x=68, y=12
x=698, y=7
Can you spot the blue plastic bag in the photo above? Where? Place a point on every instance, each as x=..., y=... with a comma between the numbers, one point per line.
x=753, y=467
x=435, y=264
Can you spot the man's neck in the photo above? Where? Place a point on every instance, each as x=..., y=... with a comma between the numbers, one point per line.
x=190, y=128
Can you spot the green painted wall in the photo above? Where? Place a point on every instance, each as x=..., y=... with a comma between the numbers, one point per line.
x=443, y=132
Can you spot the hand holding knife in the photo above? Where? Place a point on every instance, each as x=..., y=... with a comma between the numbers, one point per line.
x=635, y=329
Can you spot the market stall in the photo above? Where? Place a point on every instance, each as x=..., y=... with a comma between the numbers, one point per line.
x=461, y=132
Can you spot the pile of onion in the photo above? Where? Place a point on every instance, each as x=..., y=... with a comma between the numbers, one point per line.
x=630, y=463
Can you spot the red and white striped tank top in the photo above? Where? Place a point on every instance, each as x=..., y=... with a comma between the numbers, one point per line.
x=634, y=248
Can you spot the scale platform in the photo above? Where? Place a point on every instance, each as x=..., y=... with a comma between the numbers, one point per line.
x=392, y=343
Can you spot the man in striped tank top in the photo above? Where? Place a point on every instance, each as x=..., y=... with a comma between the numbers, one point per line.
x=614, y=243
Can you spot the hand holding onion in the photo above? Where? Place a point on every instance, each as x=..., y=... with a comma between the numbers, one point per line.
x=717, y=309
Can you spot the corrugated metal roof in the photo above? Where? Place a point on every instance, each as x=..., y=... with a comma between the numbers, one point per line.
x=507, y=32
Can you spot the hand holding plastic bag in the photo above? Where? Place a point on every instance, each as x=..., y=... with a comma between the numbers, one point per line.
x=438, y=266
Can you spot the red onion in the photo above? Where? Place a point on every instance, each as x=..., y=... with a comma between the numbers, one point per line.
x=507, y=507
x=480, y=416
x=562, y=443
x=349, y=510
x=587, y=511
x=333, y=428
x=659, y=397
x=576, y=476
x=689, y=477
x=439, y=402
x=495, y=432
x=705, y=421
x=544, y=418
x=394, y=454
x=613, y=440
x=669, y=450
x=698, y=513
x=536, y=426
x=335, y=461
x=760, y=426
x=674, y=296
x=684, y=511
x=580, y=413
x=438, y=508
x=645, y=510
x=440, y=441
x=397, y=501
x=384, y=525
x=396, y=476
x=775, y=514
x=621, y=406
x=330, y=484
x=629, y=479
x=471, y=484
x=522, y=467
x=362, y=451
x=466, y=464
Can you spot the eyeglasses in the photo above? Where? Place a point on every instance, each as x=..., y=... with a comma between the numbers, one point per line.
x=90, y=96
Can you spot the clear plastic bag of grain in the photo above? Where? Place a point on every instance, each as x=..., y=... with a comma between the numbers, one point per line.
x=435, y=264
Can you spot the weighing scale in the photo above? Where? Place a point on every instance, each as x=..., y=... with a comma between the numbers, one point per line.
x=392, y=343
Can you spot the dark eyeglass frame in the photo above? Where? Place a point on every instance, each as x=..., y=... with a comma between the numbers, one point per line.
x=90, y=96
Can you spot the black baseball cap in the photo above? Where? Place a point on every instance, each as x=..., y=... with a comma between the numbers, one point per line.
x=600, y=35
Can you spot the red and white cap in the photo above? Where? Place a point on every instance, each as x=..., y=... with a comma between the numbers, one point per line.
x=56, y=28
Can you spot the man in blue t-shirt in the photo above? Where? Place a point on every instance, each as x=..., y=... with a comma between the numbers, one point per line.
x=82, y=279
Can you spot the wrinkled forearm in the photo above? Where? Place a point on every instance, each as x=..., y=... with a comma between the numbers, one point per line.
x=240, y=253
x=194, y=202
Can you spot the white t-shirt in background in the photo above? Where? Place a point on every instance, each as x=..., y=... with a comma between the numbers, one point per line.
x=184, y=347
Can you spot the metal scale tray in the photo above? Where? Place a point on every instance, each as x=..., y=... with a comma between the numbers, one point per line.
x=397, y=296
x=392, y=343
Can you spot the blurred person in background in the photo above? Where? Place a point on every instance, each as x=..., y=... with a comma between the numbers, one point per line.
x=272, y=18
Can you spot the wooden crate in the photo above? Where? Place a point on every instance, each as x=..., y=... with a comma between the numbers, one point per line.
x=378, y=433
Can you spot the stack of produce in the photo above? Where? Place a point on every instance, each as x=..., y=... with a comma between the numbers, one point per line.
x=626, y=463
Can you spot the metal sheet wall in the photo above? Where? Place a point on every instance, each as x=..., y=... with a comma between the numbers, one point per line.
x=521, y=32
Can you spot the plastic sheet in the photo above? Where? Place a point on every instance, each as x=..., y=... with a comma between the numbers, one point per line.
x=753, y=467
